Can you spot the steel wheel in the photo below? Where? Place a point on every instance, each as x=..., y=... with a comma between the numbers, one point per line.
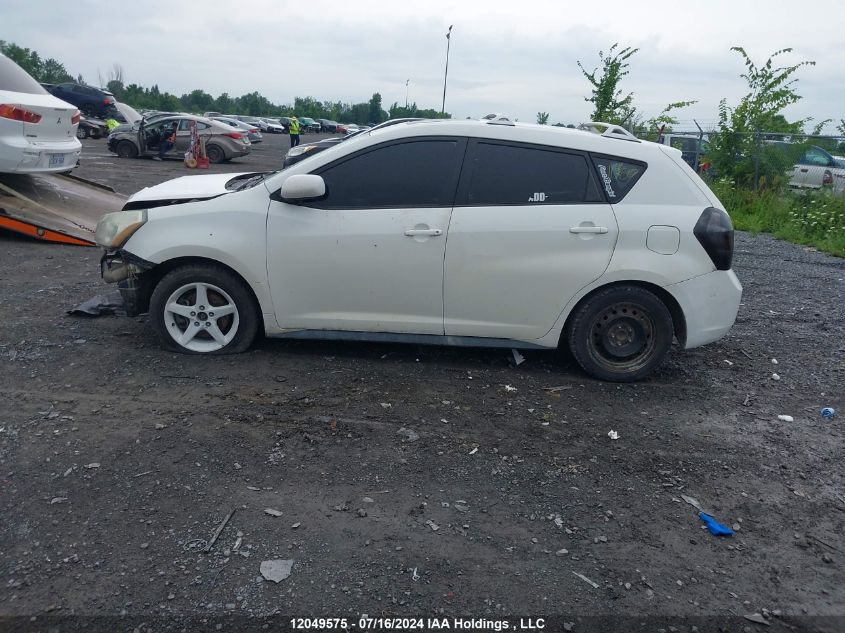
x=621, y=333
x=622, y=336
x=126, y=149
x=201, y=317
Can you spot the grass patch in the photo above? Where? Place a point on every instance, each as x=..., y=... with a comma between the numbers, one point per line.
x=815, y=218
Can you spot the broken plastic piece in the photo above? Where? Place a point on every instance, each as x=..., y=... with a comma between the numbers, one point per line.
x=786, y=418
x=110, y=303
x=613, y=434
x=716, y=528
x=518, y=358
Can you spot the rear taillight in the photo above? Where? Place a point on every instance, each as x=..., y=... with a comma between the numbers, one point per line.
x=235, y=135
x=106, y=101
x=827, y=179
x=9, y=111
x=254, y=130
x=715, y=233
x=75, y=118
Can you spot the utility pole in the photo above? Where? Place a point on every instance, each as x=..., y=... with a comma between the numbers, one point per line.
x=407, y=81
x=446, y=74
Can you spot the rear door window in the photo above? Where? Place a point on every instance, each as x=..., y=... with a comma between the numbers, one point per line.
x=508, y=174
x=617, y=175
x=418, y=173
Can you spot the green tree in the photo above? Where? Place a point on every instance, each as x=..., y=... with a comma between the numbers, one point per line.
x=610, y=105
x=29, y=60
x=543, y=118
x=376, y=114
x=54, y=72
x=736, y=151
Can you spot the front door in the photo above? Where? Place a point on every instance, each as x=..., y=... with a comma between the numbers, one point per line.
x=368, y=257
x=530, y=228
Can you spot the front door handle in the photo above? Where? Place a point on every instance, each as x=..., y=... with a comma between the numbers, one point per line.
x=418, y=232
x=804, y=170
x=588, y=229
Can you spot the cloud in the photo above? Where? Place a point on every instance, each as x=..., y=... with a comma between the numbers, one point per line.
x=517, y=58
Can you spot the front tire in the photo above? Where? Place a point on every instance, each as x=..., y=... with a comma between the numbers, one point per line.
x=204, y=309
x=127, y=149
x=621, y=334
x=81, y=132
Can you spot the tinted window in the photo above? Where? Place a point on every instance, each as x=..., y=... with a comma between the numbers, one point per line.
x=15, y=79
x=617, y=176
x=506, y=174
x=410, y=174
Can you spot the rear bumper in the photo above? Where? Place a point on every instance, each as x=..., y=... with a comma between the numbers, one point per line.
x=710, y=304
x=18, y=155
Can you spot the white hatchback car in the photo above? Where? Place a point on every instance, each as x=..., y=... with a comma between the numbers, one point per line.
x=37, y=130
x=444, y=232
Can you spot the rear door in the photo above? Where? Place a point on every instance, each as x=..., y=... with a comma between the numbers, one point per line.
x=530, y=228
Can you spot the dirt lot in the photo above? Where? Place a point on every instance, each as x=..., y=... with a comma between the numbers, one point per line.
x=411, y=481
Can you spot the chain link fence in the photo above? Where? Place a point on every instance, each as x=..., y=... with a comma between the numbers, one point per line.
x=766, y=160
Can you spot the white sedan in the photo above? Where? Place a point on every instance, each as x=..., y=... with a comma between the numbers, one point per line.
x=440, y=232
x=37, y=130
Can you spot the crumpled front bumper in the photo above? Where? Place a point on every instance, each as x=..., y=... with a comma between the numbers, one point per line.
x=131, y=275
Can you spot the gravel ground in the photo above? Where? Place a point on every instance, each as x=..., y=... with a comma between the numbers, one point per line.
x=417, y=481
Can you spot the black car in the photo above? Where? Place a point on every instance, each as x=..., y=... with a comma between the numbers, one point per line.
x=327, y=126
x=93, y=128
x=92, y=102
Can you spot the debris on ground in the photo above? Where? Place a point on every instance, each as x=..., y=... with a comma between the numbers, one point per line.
x=408, y=434
x=518, y=358
x=434, y=527
x=414, y=575
x=693, y=502
x=509, y=389
x=775, y=377
x=276, y=570
x=474, y=451
x=613, y=434
x=219, y=530
x=273, y=512
x=100, y=305
x=828, y=412
x=786, y=418
x=716, y=528
x=586, y=580
x=756, y=618
x=774, y=361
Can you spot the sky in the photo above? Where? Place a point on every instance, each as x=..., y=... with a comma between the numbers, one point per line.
x=516, y=58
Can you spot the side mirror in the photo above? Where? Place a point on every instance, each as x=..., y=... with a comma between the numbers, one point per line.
x=303, y=187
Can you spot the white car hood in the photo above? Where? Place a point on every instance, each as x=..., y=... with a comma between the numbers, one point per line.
x=186, y=188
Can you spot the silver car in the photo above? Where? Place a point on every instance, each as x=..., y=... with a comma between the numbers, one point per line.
x=222, y=142
x=252, y=131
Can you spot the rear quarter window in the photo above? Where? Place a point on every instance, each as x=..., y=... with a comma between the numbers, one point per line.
x=617, y=176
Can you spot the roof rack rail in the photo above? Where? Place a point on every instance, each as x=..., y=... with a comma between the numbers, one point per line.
x=611, y=130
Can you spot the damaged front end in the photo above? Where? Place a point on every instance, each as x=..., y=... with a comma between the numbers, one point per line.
x=133, y=278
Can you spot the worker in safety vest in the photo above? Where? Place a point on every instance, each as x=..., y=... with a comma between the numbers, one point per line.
x=294, y=131
x=111, y=124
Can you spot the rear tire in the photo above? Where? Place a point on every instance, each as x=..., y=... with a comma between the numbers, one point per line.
x=215, y=153
x=621, y=334
x=183, y=305
x=127, y=149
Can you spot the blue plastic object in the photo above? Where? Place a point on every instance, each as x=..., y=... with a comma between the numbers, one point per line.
x=716, y=528
x=828, y=412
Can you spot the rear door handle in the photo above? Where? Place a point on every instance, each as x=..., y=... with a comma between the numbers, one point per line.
x=588, y=229
x=416, y=232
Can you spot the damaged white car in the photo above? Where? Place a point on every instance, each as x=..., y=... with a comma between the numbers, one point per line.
x=444, y=232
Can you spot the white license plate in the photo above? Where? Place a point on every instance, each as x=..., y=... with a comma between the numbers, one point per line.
x=56, y=160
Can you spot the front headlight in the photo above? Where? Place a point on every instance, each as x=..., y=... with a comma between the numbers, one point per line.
x=300, y=149
x=114, y=229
